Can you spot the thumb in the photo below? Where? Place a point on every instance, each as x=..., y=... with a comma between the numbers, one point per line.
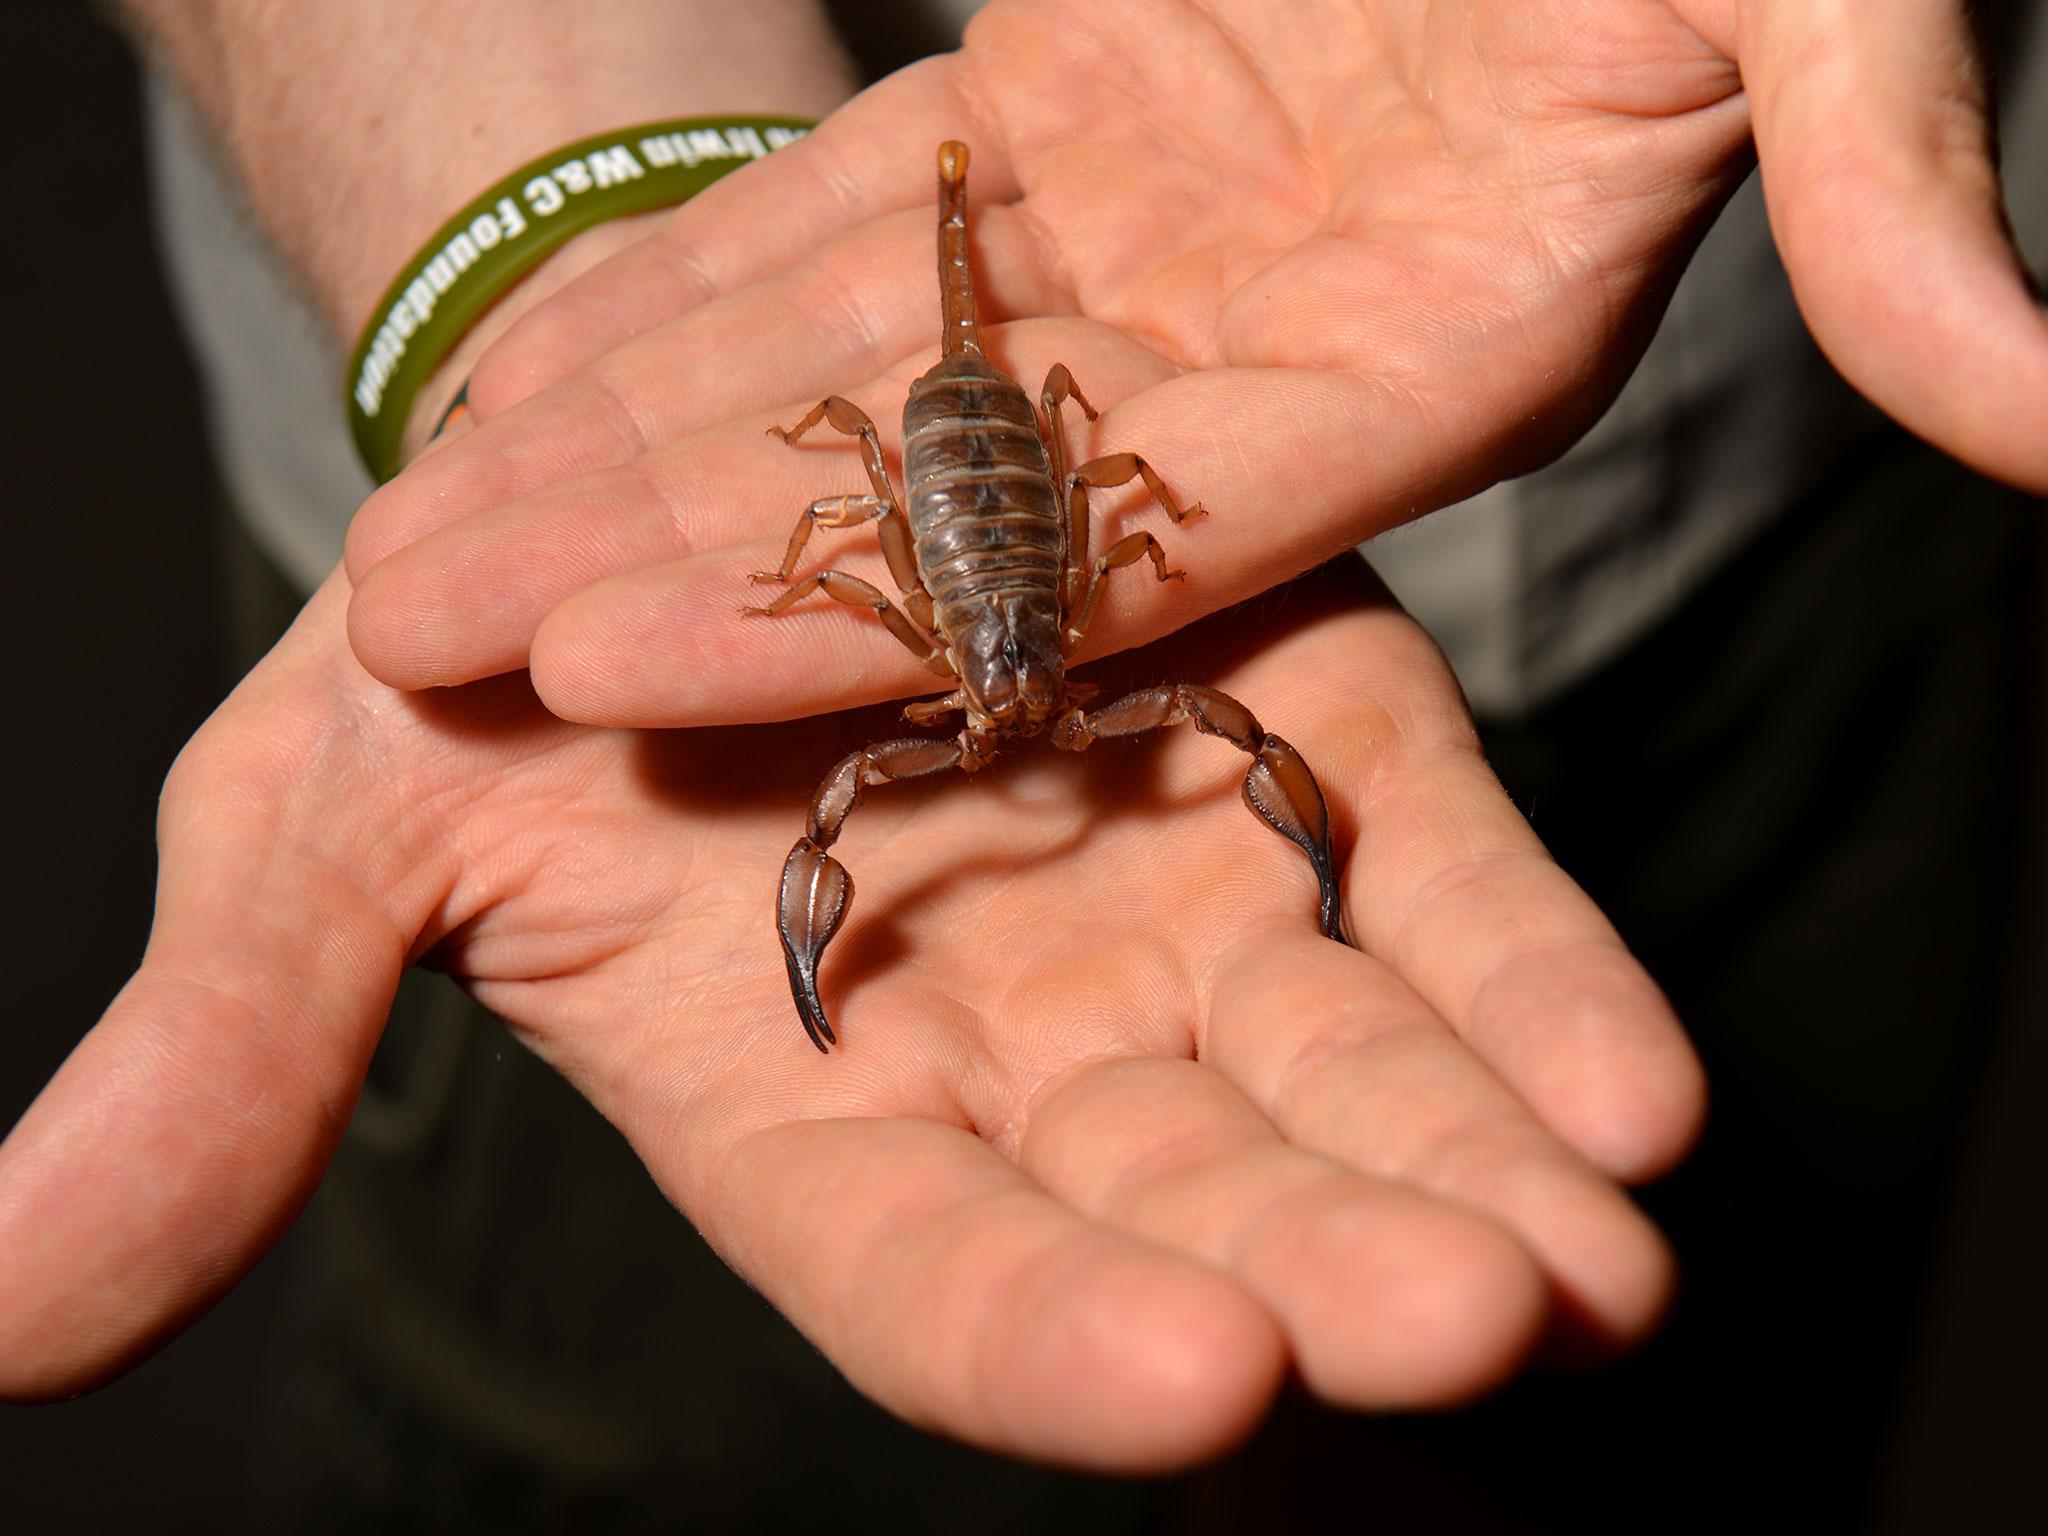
x=190, y=1126
x=1875, y=140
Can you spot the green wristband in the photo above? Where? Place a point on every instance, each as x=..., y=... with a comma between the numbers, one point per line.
x=509, y=230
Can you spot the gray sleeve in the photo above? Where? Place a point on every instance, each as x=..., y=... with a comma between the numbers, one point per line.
x=273, y=383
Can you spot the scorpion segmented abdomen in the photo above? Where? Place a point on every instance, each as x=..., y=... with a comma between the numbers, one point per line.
x=984, y=513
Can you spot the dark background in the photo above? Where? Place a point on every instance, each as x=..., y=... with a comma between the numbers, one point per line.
x=117, y=623
x=121, y=640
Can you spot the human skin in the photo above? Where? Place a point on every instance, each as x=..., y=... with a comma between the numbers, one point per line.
x=354, y=130
x=1114, y=1140
x=1325, y=278
x=1087, y=1197
x=1327, y=274
x=1154, y=1227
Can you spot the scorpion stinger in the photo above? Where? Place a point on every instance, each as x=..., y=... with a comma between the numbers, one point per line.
x=989, y=546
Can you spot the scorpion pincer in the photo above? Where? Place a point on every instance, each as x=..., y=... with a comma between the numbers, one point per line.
x=998, y=588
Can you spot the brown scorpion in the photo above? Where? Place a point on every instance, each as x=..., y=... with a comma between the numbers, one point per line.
x=993, y=560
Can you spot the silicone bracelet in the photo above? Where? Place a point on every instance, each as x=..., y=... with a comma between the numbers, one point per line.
x=507, y=231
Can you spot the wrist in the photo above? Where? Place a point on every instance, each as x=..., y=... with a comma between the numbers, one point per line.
x=505, y=232
x=356, y=130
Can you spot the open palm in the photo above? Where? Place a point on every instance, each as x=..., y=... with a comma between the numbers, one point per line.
x=1332, y=265
x=1114, y=1137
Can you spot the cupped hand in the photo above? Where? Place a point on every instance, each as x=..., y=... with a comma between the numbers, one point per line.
x=1113, y=1139
x=1330, y=265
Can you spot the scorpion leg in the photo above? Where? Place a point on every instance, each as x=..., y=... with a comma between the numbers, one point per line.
x=1278, y=786
x=825, y=512
x=816, y=890
x=1123, y=552
x=931, y=711
x=1059, y=388
x=855, y=593
x=1116, y=469
x=891, y=525
x=1074, y=559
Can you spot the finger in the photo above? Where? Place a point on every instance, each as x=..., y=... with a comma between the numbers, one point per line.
x=856, y=309
x=449, y=384
x=1448, y=885
x=189, y=1127
x=1875, y=142
x=464, y=603
x=1446, y=882
x=1389, y=1298
x=964, y=1299
x=1346, y=1060
x=455, y=422
x=665, y=646
x=630, y=650
x=870, y=158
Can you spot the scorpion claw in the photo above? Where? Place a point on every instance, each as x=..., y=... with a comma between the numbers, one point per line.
x=811, y=904
x=803, y=986
x=1283, y=794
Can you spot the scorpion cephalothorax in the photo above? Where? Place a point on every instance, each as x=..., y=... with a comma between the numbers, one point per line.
x=998, y=589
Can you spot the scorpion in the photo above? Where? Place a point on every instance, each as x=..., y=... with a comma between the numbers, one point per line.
x=998, y=587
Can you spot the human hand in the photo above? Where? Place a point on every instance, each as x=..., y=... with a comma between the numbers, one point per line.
x=1330, y=273
x=1114, y=1137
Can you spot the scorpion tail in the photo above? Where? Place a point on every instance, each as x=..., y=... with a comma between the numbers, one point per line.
x=811, y=904
x=960, y=327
